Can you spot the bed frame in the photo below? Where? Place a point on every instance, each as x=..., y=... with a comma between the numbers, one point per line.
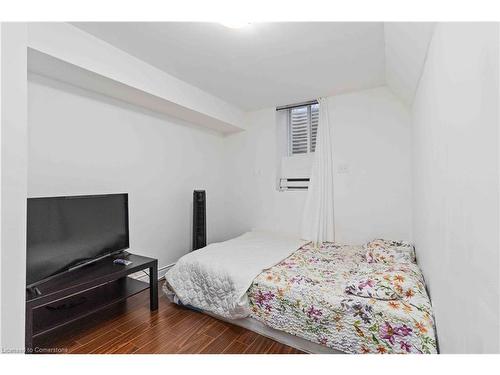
x=260, y=328
x=277, y=335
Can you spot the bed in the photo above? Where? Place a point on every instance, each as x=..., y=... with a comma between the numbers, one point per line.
x=333, y=298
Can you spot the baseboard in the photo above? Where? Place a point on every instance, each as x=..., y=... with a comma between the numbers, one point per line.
x=144, y=277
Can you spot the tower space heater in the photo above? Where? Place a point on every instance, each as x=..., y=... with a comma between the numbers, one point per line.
x=199, y=219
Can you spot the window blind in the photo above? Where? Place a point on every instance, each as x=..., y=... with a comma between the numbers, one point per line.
x=303, y=129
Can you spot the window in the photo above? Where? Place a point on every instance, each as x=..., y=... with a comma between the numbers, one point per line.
x=297, y=129
x=302, y=129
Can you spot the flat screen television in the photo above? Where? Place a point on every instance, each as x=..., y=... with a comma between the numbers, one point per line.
x=64, y=233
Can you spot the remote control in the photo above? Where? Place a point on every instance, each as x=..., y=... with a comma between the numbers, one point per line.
x=122, y=261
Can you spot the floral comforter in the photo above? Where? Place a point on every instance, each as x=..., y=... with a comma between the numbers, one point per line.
x=307, y=295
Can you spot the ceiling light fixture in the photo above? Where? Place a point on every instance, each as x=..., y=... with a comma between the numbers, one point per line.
x=235, y=24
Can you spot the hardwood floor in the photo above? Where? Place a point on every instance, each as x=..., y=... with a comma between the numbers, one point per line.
x=131, y=328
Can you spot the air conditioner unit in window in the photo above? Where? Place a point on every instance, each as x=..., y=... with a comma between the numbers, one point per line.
x=295, y=172
x=294, y=183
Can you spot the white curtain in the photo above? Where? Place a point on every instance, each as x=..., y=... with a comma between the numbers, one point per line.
x=317, y=221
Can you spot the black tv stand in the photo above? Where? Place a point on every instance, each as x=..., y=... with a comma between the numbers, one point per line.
x=73, y=295
x=34, y=291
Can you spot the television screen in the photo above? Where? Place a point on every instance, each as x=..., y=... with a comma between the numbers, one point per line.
x=63, y=232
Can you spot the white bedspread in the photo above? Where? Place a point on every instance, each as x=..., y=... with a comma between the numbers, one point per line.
x=217, y=277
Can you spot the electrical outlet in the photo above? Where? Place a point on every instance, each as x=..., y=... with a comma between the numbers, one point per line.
x=343, y=168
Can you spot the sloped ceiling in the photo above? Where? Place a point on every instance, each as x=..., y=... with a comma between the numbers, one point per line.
x=406, y=46
x=271, y=64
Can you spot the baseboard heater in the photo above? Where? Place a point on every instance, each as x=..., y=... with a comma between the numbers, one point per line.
x=294, y=183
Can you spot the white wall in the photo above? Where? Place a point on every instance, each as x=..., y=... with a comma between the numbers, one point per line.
x=1, y=54
x=83, y=143
x=372, y=137
x=13, y=137
x=455, y=160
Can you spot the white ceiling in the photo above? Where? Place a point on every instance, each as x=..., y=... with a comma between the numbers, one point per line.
x=262, y=65
x=271, y=64
x=406, y=46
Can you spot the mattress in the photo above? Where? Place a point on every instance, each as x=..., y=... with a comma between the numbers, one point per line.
x=217, y=277
x=305, y=295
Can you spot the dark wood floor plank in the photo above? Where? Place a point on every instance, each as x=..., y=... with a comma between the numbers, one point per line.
x=190, y=328
x=196, y=343
x=180, y=345
x=247, y=337
x=225, y=339
x=128, y=348
x=112, y=345
x=194, y=318
x=161, y=331
x=235, y=347
x=214, y=329
x=96, y=343
x=160, y=343
x=278, y=348
x=259, y=346
x=102, y=327
x=130, y=327
x=183, y=337
x=136, y=321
